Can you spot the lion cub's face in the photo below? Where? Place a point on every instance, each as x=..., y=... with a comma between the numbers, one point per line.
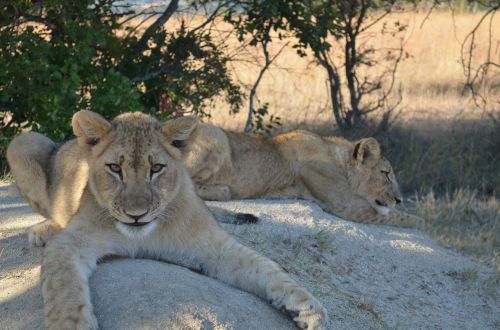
x=373, y=178
x=134, y=169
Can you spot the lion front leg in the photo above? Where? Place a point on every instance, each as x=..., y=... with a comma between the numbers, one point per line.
x=66, y=266
x=366, y=214
x=392, y=218
x=242, y=267
x=401, y=219
x=39, y=234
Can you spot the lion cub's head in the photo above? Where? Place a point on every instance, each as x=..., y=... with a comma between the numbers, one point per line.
x=135, y=167
x=372, y=177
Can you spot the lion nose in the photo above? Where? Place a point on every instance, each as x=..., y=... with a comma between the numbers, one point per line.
x=398, y=200
x=136, y=215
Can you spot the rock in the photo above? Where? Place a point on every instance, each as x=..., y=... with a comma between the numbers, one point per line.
x=147, y=294
x=13, y=190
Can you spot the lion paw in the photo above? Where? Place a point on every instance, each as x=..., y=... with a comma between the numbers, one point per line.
x=225, y=193
x=305, y=310
x=213, y=192
x=39, y=234
x=84, y=319
x=313, y=317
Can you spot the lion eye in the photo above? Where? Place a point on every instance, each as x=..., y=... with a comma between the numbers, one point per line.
x=115, y=168
x=157, y=168
x=178, y=144
x=386, y=173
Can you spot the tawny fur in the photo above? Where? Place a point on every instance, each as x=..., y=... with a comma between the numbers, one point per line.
x=51, y=178
x=349, y=179
x=177, y=226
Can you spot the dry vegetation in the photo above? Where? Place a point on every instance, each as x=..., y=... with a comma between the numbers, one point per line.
x=465, y=223
x=431, y=78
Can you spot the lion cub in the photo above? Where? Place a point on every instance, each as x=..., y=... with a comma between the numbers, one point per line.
x=349, y=179
x=139, y=201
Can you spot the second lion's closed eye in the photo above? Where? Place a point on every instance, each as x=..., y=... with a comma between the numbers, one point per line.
x=157, y=168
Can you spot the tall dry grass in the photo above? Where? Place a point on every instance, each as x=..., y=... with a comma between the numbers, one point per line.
x=431, y=78
x=463, y=222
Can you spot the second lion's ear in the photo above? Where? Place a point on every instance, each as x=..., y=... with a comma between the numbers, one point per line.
x=178, y=131
x=366, y=152
x=89, y=127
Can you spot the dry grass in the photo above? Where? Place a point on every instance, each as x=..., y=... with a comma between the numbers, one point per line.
x=431, y=79
x=465, y=223
x=445, y=155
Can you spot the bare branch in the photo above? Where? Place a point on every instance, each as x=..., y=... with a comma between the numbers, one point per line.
x=160, y=21
x=25, y=18
x=267, y=62
x=429, y=12
x=148, y=12
x=334, y=84
x=475, y=76
x=147, y=17
x=361, y=17
x=375, y=21
x=212, y=16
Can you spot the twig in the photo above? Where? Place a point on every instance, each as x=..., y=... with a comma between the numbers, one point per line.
x=429, y=12
x=267, y=62
x=466, y=60
x=211, y=17
x=160, y=21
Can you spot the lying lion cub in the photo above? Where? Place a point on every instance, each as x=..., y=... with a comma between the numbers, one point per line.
x=139, y=201
x=349, y=179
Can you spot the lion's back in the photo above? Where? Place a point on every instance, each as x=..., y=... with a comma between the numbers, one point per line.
x=209, y=154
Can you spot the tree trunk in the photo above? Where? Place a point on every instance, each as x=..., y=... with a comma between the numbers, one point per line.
x=335, y=92
x=253, y=91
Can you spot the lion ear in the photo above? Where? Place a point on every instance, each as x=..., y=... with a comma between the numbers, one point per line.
x=366, y=152
x=89, y=128
x=178, y=131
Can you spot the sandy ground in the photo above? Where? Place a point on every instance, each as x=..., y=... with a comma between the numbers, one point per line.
x=367, y=276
